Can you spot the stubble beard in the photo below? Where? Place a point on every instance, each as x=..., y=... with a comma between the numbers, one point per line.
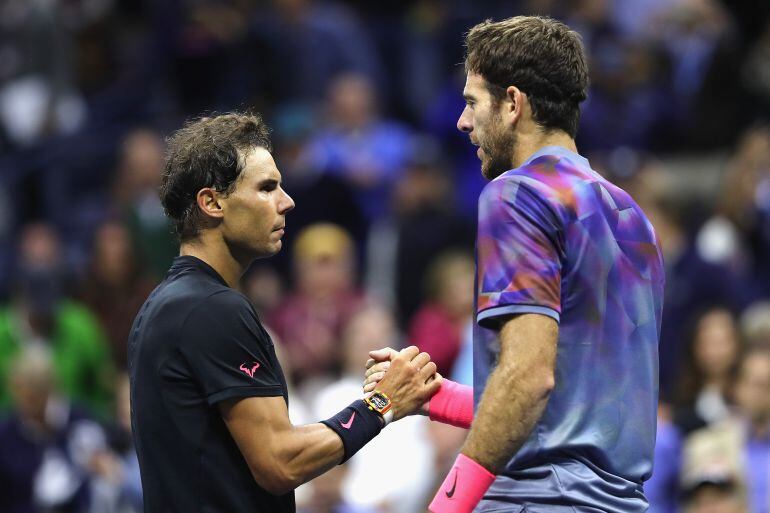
x=498, y=150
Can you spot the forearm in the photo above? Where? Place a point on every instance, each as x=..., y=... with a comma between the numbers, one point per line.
x=511, y=405
x=306, y=452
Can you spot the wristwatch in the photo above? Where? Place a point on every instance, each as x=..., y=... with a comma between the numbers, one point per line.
x=380, y=402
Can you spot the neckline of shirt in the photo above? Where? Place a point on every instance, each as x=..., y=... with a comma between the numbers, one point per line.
x=189, y=261
x=559, y=151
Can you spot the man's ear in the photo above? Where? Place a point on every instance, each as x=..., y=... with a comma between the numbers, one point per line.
x=209, y=203
x=515, y=104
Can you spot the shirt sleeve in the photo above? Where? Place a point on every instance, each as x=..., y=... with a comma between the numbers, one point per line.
x=228, y=353
x=520, y=248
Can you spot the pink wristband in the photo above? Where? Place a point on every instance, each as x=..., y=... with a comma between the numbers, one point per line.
x=463, y=487
x=452, y=404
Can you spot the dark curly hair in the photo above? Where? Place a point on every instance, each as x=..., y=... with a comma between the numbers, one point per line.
x=540, y=56
x=206, y=152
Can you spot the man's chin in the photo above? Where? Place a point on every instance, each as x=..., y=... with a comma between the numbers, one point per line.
x=271, y=250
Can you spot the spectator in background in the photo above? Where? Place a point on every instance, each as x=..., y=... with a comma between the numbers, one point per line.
x=210, y=55
x=115, y=288
x=320, y=39
x=710, y=365
x=400, y=488
x=319, y=196
x=116, y=485
x=310, y=319
x=135, y=192
x=755, y=324
x=45, y=443
x=704, y=58
x=40, y=314
x=693, y=284
x=264, y=288
x=738, y=234
x=756, y=71
x=713, y=493
x=438, y=326
x=38, y=94
x=355, y=143
x=628, y=103
x=424, y=223
x=740, y=445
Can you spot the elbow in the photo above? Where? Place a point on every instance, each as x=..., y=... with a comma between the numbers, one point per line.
x=276, y=485
x=277, y=480
x=542, y=384
x=546, y=384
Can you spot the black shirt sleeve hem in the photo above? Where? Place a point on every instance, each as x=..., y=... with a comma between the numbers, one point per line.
x=247, y=391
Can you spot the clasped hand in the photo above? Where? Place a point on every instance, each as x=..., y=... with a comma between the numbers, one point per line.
x=412, y=370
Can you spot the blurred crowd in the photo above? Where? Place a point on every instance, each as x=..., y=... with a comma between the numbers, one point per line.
x=362, y=99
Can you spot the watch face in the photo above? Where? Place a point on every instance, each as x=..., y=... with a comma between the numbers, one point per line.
x=378, y=401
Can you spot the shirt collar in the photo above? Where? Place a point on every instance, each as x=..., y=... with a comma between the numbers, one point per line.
x=559, y=151
x=191, y=262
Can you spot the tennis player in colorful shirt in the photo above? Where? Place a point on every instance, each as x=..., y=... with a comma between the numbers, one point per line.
x=568, y=297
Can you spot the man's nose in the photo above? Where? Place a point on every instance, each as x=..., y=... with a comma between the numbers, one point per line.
x=464, y=123
x=286, y=203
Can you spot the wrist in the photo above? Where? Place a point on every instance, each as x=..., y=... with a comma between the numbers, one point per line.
x=452, y=404
x=356, y=426
x=463, y=488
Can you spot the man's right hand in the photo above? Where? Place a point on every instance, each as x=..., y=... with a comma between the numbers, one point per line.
x=408, y=381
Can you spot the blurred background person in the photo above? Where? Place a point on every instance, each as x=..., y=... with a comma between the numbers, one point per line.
x=116, y=485
x=41, y=314
x=310, y=319
x=114, y=287
x=713, y=493
x=423, y=223
x=686, y=292
x=135, y=194
x=46, y=444
x=356, y=143
x=755, y=324
x=438, y=326
x=740, y=445
x=711, y=361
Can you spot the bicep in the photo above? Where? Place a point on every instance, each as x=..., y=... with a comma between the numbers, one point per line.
x=257, y=425
x=530, y=341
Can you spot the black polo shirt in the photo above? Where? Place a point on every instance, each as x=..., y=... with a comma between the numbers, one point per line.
x=194, y=343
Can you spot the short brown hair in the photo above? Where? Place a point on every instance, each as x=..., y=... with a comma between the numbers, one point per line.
x=206, y=152
x=540, y=56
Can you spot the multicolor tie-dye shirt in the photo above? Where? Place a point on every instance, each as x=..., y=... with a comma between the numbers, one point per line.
x=555, y=238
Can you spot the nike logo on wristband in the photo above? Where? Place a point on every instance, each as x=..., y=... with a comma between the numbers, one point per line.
x=450, y=493
x=349, y=423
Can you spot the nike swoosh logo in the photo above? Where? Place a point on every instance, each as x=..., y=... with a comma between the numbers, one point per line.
x=349, y=423
x=450, y=493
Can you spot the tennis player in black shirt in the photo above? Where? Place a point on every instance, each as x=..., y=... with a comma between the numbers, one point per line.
x=208, y=397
